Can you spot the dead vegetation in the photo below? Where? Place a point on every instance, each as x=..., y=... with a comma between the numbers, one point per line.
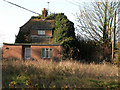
x=49, y=74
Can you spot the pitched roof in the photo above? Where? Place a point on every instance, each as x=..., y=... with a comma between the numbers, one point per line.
x=38, y=24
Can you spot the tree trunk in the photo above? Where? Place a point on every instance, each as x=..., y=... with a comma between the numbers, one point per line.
x=113, y=39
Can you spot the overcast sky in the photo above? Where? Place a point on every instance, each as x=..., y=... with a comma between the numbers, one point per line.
x=12, y=17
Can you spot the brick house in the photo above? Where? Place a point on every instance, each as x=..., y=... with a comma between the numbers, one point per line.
x=34, y=41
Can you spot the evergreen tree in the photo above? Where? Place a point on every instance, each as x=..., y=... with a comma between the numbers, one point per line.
x=64, y=30
x=64, y=34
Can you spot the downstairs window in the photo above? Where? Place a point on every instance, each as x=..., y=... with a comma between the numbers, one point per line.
x=46, y=52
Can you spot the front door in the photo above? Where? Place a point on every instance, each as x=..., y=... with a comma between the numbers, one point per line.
x=27, y=53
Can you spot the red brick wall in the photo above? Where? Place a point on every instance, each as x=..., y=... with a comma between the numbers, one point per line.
x=12, y=52
x=36, y=52
x=48, y=32
x=16, y=52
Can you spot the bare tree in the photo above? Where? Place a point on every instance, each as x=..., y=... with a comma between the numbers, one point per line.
x=96, y=20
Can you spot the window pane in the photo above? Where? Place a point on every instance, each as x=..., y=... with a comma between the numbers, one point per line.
x=27, y=53
x=46, y=52
x=40, y=32
x=50, y=53
x=42, y=52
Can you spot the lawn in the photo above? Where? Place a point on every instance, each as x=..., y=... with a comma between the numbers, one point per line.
x=63, y=74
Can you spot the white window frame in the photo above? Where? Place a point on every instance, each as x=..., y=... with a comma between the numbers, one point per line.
x=27, y=53
x=44, y=52
x=41, y=32
x=36, y=36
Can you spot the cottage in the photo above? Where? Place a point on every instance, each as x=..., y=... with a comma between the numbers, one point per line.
x=34, y=41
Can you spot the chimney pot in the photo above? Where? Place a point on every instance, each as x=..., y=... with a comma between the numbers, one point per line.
x=44, y=13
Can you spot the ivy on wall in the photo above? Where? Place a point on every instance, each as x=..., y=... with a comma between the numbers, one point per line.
x=63, y=32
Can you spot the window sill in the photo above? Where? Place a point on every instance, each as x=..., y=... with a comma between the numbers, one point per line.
x=46, y=57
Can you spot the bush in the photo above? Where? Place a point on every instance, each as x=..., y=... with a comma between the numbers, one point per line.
x=90, y=51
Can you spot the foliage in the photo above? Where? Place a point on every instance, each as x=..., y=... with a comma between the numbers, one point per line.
x=89, y=50
x=63, y=74
x=111, y=85
x=64, y=30
x=64, y=34
x=97, y=21
x=52, y=16
x=19, y=81
x=37, y=17
x=40, y=16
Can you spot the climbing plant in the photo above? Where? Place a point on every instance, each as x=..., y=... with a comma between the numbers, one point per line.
x=64, y=33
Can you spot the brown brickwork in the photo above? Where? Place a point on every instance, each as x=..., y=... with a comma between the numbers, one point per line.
x=28, y=43
x=36, y=52
x=12, y=52
x=48, y=33
x=17, y=51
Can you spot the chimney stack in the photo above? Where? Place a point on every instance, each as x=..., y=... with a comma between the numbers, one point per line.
x=44, y=13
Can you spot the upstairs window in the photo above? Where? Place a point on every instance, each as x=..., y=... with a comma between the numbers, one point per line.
x=46, y=53
x=41, y=32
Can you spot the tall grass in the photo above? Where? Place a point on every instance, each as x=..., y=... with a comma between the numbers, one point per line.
x=49, y=74
x=117, y=54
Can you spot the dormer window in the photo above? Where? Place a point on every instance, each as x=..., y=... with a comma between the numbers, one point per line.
x=41, y=32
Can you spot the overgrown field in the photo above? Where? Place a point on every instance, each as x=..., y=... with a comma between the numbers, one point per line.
x=117, y=53
x=64, y=74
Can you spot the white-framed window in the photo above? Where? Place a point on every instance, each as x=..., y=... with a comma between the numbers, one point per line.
x=36, y=36
x=27, y=53
x=46, y=52
x=41, y=32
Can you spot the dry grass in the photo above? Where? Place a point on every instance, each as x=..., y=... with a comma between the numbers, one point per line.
x=70, y=74
x=117, y=54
